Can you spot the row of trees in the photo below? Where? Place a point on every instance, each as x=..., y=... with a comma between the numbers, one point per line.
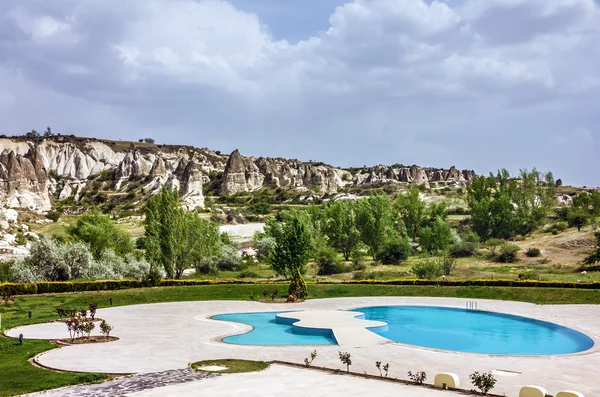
x=376, y=224
x=502, y=206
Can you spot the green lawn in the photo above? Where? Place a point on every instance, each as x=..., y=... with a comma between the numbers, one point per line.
x=18, y=376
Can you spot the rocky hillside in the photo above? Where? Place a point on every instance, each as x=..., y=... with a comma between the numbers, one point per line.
x=36, y=174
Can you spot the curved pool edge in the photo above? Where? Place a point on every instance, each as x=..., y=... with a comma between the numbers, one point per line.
x=593, y=348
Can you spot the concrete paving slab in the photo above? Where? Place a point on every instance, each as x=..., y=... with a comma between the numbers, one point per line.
x=169, y=336
x=282, y=381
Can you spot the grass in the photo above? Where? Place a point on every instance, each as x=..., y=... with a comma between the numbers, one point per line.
x=19, y=377
x=233, y=366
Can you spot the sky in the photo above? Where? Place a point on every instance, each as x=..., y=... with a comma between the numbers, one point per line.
x=478, y=84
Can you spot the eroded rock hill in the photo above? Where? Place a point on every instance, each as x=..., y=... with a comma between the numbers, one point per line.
x=35, y=174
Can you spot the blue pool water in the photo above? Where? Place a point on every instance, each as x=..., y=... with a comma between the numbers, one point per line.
x=268, y=332
x=475, y=331
x=432, y=327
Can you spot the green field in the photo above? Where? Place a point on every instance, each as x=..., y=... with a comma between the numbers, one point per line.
x=18, y=376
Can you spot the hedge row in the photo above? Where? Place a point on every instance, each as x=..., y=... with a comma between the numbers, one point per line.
x=81, y=286
x=485, y=283
x=108, y=285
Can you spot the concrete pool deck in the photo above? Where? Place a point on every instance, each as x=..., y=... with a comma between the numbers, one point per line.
x=166, y=336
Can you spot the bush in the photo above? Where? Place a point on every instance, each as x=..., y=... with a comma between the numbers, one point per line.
x=53, y=216
x=5, y=271
x=464, y=249
x=533, y=252
x=248, y=274
x=152, y=278
x=428, y=270
x=229, y=259
x=508, y=253
x=207, y=266
x=484, y=382
x=393, y=251
x=448, y=264
x=328, y=262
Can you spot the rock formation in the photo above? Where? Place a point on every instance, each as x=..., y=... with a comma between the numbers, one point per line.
x=35, y=174
x=246, y=174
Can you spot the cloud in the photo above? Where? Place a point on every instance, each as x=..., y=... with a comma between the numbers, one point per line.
x=445, y=79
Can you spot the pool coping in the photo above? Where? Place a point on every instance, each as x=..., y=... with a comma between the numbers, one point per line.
x=593, y=349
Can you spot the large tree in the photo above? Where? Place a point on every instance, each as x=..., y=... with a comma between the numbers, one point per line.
x=412, y=211
x=375, y=221
x=340, y=226
x=176, y=239
x=292, y=246
x=101, y=234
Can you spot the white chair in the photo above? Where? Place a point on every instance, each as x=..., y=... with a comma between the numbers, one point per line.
x=446, y=380
x=532, y=391
x=569, y=393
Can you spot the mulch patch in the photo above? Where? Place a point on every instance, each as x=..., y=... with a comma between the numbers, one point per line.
x=85, y=340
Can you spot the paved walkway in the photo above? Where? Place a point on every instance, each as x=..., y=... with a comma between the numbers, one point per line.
x=129, y=385
x=169, y=336
x=285, y=381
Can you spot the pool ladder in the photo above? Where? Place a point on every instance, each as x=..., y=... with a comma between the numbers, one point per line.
x=471, y=305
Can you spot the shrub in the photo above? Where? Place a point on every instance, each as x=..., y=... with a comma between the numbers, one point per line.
x=418, y=377
x=448, y=264
x=93, y=307
x=464, y=249
x=248, y=274
x=328, y=262
x=105, y=328
x=508, y=253
x=152, y=278
x=533, y=252
x=263, y=245
x=429, y=269
x=298, y=286
x=346, y=359
x=229, y=259
x=393, y=251
x=5, y=271
x=53, y=216
x=484, y=382
x=207, y=266
x=313, y=355
x=88, y=327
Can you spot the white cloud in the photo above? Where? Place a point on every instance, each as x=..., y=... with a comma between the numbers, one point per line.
x=447, y=75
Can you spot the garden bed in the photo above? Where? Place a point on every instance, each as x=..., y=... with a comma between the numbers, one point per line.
x=85, y=340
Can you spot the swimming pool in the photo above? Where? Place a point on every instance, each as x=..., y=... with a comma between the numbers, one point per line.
x=267, y=331
x=429, y=326
x=475, y=331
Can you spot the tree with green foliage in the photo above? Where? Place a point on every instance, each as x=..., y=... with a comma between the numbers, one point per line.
x=503, y=207
x=101, y=234
x=412, y=211
x=375, y=221
x=298, y=286
x=594, y=257
x=394, y=250
x=340, y=226
x=578, y=218
x=292, y=246
x=436, y=237
x=176, y=239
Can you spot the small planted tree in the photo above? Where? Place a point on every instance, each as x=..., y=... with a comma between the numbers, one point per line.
x=298, y=286
x=87, y=328
x=483, y=381
x=346, y=360
x=313, y=355
x=83, y=314
x=418, y=377
x=274, y=294
x=105, y=328
x=73, y=327
x=93, y=308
